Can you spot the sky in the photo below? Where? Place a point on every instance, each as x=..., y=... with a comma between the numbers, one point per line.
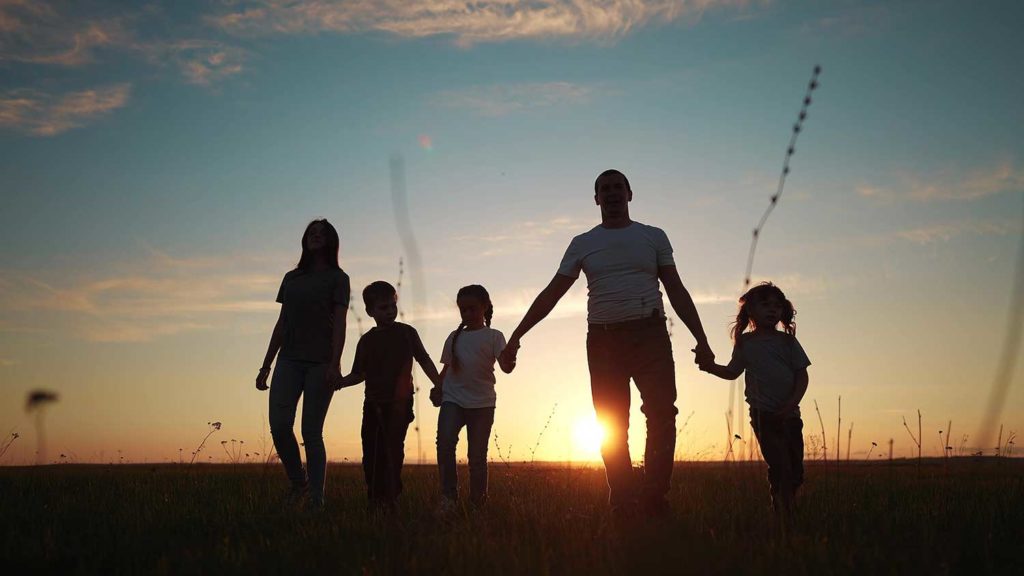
x=160, y=161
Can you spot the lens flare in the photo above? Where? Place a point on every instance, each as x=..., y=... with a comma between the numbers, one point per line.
x=426, y=143
x=587, y=436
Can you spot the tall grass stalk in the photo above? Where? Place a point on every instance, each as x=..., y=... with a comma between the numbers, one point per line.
x=821, y=422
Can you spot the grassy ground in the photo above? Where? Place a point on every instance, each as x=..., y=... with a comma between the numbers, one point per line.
x=965, y=516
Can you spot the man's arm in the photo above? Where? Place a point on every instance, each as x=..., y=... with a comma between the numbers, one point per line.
x=541, y=307
x=682, y=303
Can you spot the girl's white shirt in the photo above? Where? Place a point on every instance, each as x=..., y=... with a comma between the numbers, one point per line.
x=472, y=386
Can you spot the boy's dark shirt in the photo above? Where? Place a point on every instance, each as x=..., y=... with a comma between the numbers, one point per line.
x=384, y=356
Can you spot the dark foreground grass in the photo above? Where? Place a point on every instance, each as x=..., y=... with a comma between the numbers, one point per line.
x=965, y=516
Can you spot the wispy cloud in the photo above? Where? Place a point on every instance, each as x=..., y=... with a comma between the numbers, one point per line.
x=201, y=62
x=501, y=100
x=160, y=297
x=851, y=21
x=946, y=231
x=43, y=114
x=467, y=22
x=35, y=32
x=52, y=34
x=520, y=236
x=997, y=178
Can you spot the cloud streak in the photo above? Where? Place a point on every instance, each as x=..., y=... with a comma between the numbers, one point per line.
x=37, y=33
x=946, y=231
x=523, y=236
x=43, y=114
x=200, y=62
x=155, y=300
x=948, y=186
x=467, y=22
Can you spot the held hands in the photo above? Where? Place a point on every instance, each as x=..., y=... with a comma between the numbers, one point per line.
x=436, y=395
x=704, y=358
x=332, y=379
x=261, y=379
x=507, y=358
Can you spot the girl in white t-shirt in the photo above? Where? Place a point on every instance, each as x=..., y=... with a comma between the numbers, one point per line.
x=466, y=396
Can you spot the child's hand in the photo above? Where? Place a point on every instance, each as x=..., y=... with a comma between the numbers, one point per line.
x=435, y=396
x=506, y=364
x=786, y=409
x=332, y=378
x=703, y=354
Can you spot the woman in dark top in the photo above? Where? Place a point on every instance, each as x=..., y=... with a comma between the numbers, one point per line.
x=310, y=335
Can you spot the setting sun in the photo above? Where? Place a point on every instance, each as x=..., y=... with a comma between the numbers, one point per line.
x=587, y=435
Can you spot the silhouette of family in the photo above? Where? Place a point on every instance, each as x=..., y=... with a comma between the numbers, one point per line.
x=626, y=264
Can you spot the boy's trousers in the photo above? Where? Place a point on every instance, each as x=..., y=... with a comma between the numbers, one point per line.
x=383, y=433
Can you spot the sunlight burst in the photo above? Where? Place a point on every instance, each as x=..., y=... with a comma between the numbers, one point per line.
x=587, y=435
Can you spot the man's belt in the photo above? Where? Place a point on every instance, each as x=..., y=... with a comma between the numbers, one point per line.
x=638, y=324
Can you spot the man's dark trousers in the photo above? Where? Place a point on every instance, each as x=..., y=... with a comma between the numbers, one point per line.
x=640, y=350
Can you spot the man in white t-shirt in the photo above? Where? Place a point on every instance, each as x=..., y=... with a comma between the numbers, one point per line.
x=624, y=261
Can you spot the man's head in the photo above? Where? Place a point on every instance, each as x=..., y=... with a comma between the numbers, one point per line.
x=613, y=194
x=381, y=302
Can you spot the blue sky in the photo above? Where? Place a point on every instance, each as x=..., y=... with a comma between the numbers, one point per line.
x=160, y=161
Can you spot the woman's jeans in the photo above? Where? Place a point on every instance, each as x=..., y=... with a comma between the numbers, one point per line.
x=294, y=378
x=478, y=422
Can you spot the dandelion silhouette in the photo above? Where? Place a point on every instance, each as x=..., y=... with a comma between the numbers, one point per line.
x=790, y=150
x=214, y=426
x=36, y=403
x=7, y=443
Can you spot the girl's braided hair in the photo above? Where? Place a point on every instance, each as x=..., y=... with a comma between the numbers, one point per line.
x=472, y=291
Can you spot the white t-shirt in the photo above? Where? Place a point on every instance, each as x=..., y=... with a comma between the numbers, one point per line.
x=472, y=386
x=621, y=265
x=771, y=362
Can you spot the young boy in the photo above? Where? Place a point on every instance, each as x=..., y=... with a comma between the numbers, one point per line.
x=383, y=359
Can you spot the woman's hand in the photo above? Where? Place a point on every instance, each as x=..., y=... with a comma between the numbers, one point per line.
x=261, y=379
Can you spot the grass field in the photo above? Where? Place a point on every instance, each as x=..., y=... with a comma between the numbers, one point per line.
x=961, y=516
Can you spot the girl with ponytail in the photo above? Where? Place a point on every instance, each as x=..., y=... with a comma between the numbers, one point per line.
x=466, y=396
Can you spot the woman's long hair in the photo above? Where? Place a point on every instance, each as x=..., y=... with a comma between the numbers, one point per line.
x=330, y=249
x=759, y=293
x=472, y=291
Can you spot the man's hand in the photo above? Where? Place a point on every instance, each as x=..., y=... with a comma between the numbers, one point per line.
x=261, y=379
x=435, y=396
x=703, y=356
x=507, y=358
